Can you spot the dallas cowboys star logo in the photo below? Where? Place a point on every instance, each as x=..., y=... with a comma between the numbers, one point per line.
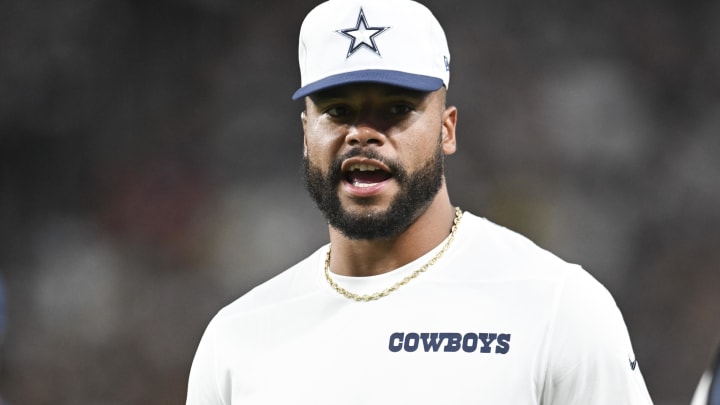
x=362, y=35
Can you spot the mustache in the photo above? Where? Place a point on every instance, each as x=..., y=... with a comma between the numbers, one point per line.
x=393, y=165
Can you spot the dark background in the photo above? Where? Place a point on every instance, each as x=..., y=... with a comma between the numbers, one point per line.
x=149, y=172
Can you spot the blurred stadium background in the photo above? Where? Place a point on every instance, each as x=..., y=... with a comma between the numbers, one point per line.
x=150, y=154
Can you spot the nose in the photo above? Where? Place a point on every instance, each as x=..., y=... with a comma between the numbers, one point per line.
x=365, y=132
x=364, y=136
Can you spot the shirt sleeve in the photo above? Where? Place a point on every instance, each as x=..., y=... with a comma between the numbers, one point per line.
x=204, y=384
x=591, y=360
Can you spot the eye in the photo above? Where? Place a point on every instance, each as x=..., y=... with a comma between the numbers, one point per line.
x=400, y=109
x=338, y=111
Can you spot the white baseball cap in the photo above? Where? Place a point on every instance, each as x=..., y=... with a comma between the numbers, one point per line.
x=396, y=42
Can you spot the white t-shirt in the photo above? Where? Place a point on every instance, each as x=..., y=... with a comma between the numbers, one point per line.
x=497, y=320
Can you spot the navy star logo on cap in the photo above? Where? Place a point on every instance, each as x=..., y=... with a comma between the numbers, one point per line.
x=362, y=35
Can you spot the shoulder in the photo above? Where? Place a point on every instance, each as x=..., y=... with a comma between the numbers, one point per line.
x=292, y=284
x=237, y=329
x=506, y=254
x=590, y=358
x=493, y=252
x=588, y=355
x=487, y=252
x=501, y=240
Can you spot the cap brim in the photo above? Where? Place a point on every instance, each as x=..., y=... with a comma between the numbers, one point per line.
x=391, y=77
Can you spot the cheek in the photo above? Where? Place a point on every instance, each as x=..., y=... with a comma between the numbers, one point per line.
x=417, y=148
x=322, y=134
x=321, y=147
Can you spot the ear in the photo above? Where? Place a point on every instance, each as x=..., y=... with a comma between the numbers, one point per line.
x=303, y=119
x=449, y=122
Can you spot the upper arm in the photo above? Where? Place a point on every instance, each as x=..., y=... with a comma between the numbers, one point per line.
x=204, y=385
x=591, y=360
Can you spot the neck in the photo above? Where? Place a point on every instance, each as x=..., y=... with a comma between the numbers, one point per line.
x=372, y=257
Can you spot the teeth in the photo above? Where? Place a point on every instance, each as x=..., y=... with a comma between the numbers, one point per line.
x=363, y=167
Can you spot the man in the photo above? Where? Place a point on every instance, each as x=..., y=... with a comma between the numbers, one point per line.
x=413, y=301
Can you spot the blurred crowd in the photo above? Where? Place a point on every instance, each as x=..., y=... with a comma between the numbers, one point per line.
x=150, y=155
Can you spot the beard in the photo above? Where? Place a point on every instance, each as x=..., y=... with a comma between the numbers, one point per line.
x=417, y=190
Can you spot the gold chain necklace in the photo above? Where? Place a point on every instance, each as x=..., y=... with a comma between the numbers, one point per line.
x=387, y=291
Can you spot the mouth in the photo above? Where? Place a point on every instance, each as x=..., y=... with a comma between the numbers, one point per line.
x=365, y=173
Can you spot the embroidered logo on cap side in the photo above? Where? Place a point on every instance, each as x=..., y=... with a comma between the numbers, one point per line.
x=362, y=35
